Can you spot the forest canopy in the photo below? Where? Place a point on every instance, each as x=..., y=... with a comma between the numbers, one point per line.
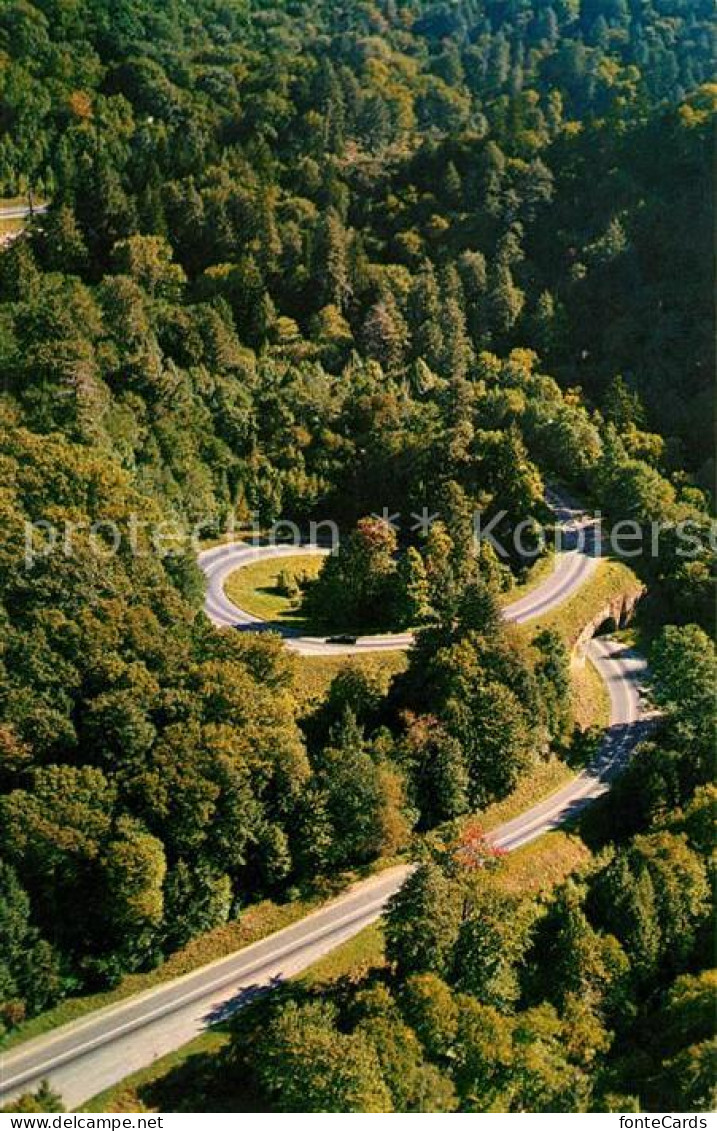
x=315, y=259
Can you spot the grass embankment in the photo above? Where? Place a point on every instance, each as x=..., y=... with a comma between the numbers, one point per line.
x=542, y=864
x=177, y=1076
x=591, y=700
x=255, y=589
x=10, y=227
x=15, y=202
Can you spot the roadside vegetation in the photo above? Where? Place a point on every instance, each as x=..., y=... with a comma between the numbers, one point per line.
x=313, y=675
x=178, y=1082
x=10, y=228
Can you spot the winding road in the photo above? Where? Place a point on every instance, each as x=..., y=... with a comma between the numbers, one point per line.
x=83, y=1058
x=572, y=568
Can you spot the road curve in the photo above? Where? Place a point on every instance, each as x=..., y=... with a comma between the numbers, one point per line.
x=572, y=567
x=84, y=1058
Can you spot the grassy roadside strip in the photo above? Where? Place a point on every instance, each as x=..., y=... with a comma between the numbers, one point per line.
x=18, y=202
x=534, y=577
x=540, y=865
x=591, y=701
x=540, y=781
x=10, y=226
x=126, y=1096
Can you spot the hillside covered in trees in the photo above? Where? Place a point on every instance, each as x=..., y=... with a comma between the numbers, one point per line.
x=324, y=259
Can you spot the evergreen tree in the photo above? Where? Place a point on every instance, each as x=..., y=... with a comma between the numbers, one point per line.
x=332, y=268
x=384, y=334
x=412, y=591
x=425, y=319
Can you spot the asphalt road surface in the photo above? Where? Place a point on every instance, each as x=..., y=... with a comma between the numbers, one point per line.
x=84, y=1058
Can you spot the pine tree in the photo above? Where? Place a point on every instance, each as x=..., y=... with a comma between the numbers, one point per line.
x=438, y=774
x=452, y=186
x=334, y=109
x=622, y=405
x=490, y=182
x=63, y=245
x=505, y=299
x=573, y=959
x=457, y=354
x=624, y=903
x=266, y=231
x=545, y=330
